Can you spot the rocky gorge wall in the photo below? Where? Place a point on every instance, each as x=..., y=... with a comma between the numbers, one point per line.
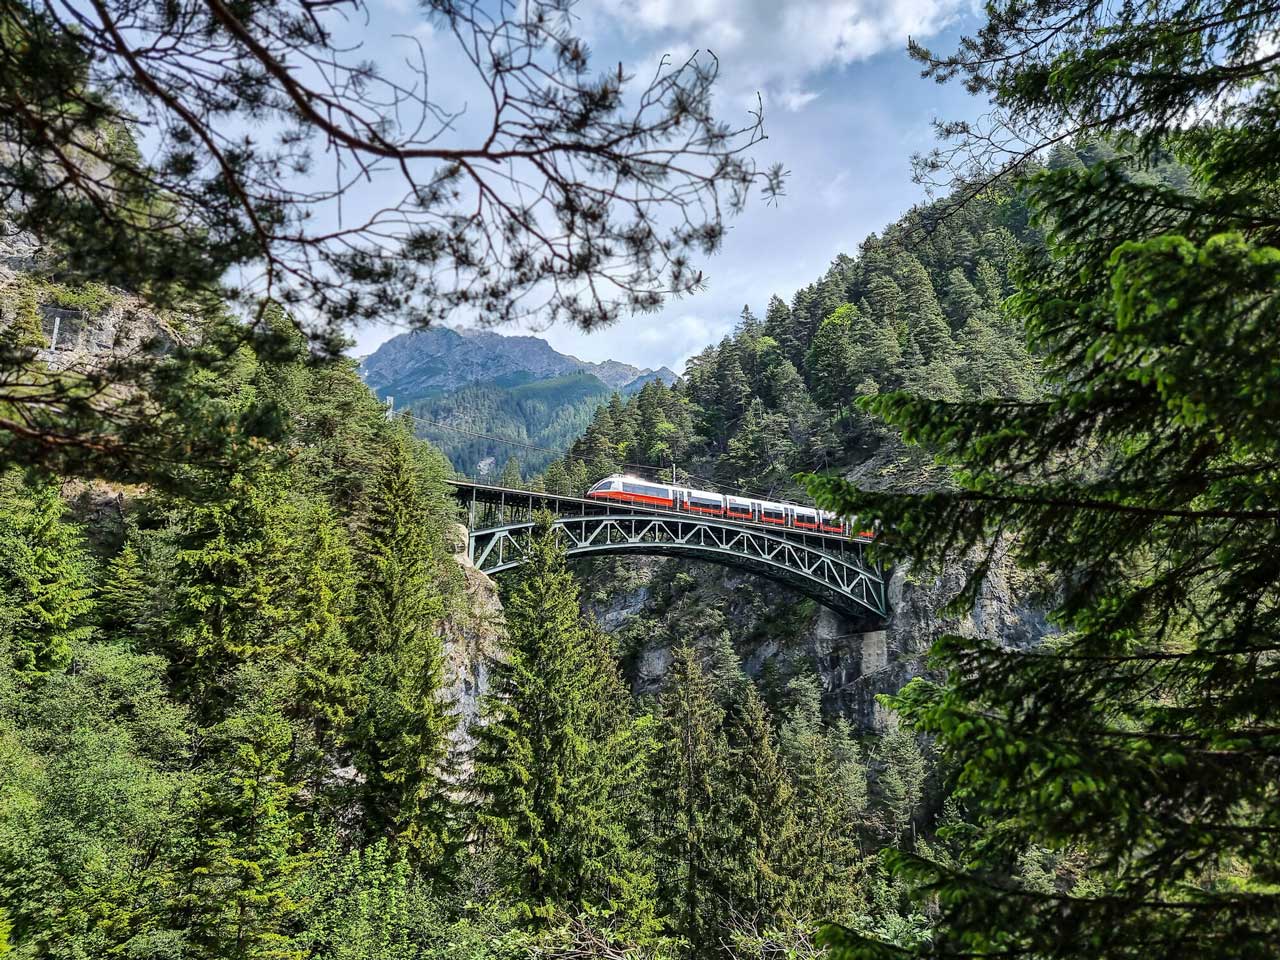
x=769, y=624
x=649, y=603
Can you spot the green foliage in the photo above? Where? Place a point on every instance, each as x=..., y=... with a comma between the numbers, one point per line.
x=45, y=598
x=123, y=598
x=402, y=736
x=1117, y=776
x=689, y=814
x=543, y=413
x=831, y=795
x=90, y=773
x=241, y=842
x=550, y=773
x=366, y=905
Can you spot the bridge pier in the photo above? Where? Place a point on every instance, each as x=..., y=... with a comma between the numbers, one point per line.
x=875, y=651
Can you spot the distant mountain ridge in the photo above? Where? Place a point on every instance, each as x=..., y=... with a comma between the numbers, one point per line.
x=438, y=359
x=468, y=387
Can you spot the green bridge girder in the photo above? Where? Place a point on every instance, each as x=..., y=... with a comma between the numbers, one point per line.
x=832, y=570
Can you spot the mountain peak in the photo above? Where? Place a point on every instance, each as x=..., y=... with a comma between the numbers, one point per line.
x=442, y=358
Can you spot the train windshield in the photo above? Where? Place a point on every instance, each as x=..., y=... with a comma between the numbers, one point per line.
x=608, y=483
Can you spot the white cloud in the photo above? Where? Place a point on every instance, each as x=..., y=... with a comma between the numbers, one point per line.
x=648, y=340
x=776, y=44
x=794, y=100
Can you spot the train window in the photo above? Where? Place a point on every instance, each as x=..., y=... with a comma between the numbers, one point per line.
x=644, y=490
x=704, y=501
x=772, y=514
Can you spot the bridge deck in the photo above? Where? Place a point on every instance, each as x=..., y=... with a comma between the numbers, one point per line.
x=833, y=570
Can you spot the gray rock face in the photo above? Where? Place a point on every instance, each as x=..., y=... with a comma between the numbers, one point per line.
x=18, y=251
x=472, y=642
x=1011, y=609
x=121, y=327
x=855, y=662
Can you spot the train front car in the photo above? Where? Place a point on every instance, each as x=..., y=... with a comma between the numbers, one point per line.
x=632, y=490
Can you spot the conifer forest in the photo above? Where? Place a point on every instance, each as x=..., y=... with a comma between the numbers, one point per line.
x=258, y=701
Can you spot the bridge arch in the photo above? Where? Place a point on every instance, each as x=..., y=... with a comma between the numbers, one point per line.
x=833, y=571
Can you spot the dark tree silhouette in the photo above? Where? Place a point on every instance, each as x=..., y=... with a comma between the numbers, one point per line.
x=168, y=143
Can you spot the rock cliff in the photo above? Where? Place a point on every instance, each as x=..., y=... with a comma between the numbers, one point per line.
x=472, y=640
x=649, y=603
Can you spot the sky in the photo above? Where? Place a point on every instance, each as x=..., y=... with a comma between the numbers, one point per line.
x=845, y=109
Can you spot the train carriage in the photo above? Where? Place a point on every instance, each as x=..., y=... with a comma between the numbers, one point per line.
x=626, y=489
x=700, y=501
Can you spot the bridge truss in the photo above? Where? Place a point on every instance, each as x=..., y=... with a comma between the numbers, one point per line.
x=832, y=570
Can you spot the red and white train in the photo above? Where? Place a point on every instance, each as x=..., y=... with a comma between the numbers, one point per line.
x=687, y=500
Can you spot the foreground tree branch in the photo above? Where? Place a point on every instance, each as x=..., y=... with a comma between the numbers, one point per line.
x=253, y=146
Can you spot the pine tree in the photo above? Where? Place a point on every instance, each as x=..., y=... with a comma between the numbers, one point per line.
x=902, y=780
x=402, y=737
x=924, y=320
x=624, y=419
x=511, y=476
x=779, y=326
x=993, y=365
x=761, y=450
x=733, y=394
x=1063, y=157
x=231, y=564
x=990, y=284
x=124, y=598
x=326, y=694
x=825, y=858
x=961, y=300
x=594, y=455
x=689, y=816
x=44, y=580
x=240, y=853
x=885, y=302
x=761, y=816
x=545, y=764
x=830, y=363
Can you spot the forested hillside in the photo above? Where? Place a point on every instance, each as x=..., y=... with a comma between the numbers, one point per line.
x=483, y=426
x=479, y=396
x=917, y=308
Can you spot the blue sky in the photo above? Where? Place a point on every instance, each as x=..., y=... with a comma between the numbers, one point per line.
x=844, y=111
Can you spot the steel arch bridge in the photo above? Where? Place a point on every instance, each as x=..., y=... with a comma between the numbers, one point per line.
x=832, y=570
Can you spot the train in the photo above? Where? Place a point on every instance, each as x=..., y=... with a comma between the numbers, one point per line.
x=667, y=496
